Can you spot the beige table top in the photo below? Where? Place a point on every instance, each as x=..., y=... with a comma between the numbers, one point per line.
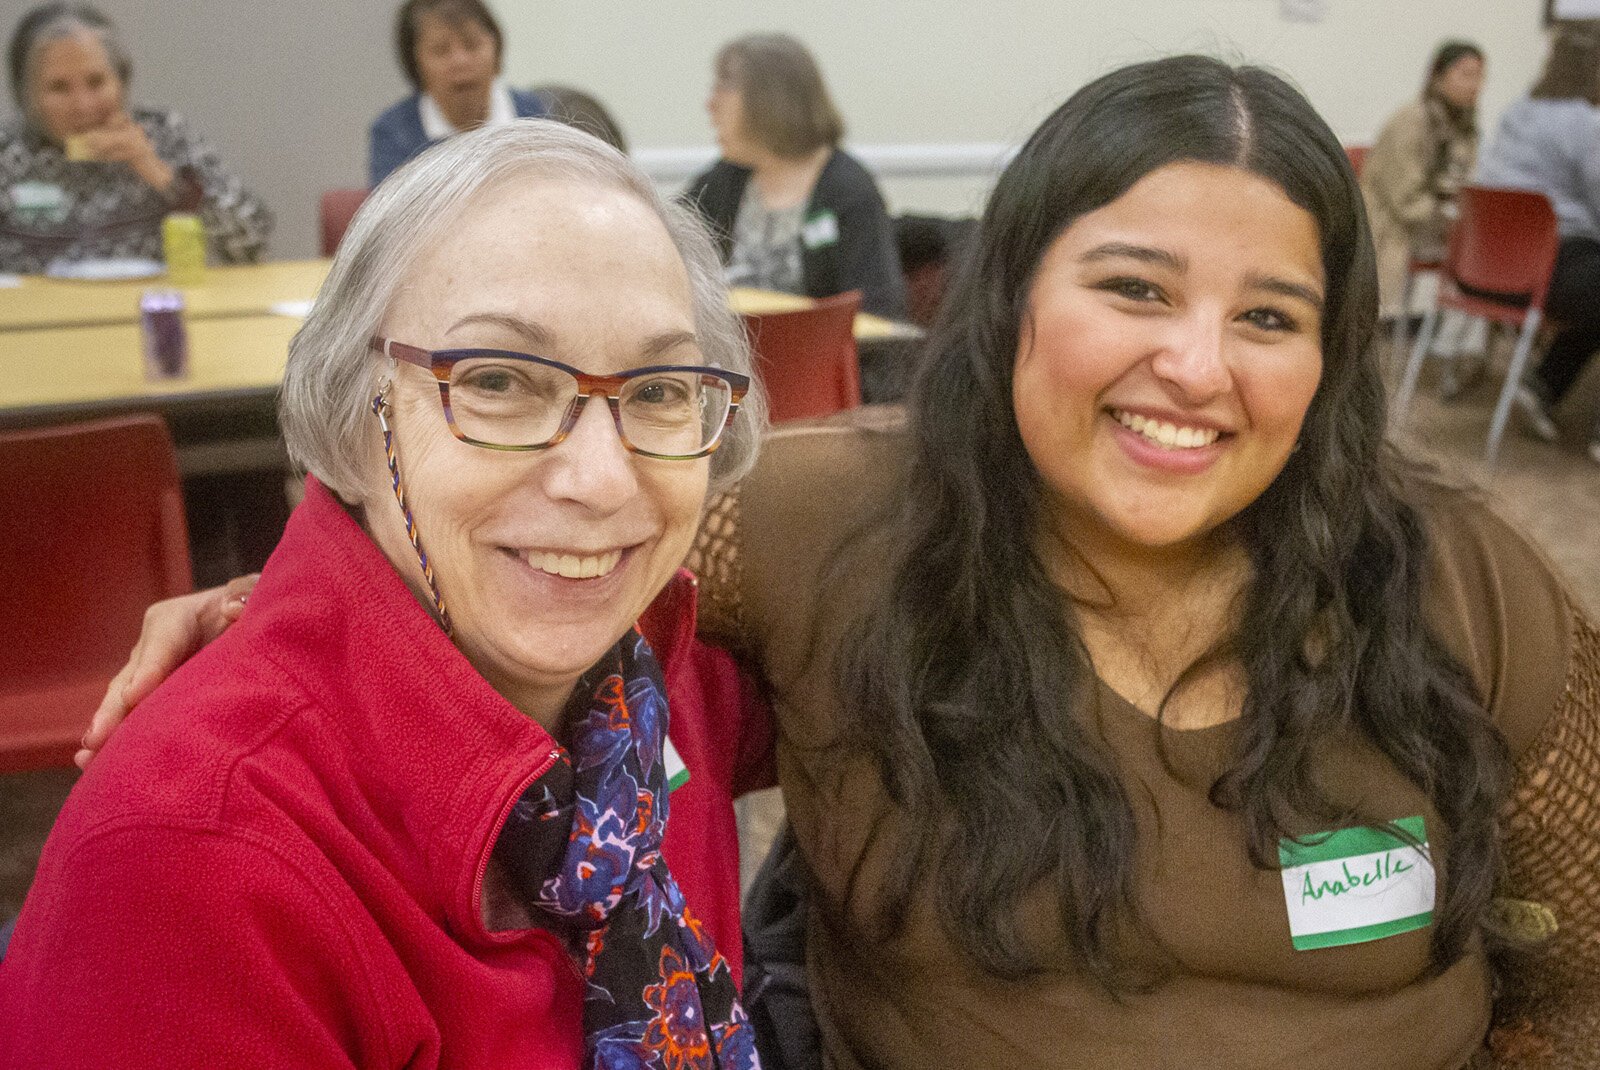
x=234, y=347
x=253, y=289
x=86, y=367
x=235, y=290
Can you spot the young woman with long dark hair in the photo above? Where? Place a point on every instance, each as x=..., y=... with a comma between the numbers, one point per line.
x=1137, y=705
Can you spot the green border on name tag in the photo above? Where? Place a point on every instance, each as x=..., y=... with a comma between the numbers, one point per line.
x=1326, y=846
x=1365, y=846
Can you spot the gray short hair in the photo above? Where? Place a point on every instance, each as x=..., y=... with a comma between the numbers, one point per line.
x=58, y=22
x=325, y=405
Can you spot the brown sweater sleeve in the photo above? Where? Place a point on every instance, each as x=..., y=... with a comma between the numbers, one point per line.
x=1550, y=1012
x=714, y=558
x=1501, y=609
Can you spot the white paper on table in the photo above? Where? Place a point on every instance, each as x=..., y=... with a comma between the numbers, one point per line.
x=10, y=282
x=295, y=310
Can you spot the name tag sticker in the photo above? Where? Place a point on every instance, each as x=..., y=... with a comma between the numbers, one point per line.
x=677, y=771
x=1356, y=885
x=40, y=202
x=821, y=229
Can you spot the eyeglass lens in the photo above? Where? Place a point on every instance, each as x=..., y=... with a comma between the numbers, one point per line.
x=506, y=402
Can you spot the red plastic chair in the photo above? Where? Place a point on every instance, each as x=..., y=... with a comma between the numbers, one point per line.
x=94, y=531
x=1358, y=157
x=807, y=358
x=1504, y=243
x=338, y=208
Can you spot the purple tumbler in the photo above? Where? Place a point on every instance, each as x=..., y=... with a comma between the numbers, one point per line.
x=166, y=340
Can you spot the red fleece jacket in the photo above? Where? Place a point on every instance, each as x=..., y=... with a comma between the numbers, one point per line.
x=279, y=861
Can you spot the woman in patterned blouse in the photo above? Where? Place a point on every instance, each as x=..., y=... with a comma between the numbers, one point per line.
x=84, y=176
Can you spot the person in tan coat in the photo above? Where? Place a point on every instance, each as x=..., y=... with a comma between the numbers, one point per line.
x=1424, y=154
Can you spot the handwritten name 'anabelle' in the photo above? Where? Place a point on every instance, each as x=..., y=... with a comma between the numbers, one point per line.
x=1383, y=869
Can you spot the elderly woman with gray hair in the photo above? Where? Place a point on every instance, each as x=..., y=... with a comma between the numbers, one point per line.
x=410, y=811
x=84, y=175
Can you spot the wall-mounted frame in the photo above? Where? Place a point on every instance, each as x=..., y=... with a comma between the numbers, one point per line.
x=1570, y=10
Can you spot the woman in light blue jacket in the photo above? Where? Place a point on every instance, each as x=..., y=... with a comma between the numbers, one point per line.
x=1550, y=142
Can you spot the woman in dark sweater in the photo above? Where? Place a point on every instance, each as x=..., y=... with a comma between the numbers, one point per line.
x=791, y=211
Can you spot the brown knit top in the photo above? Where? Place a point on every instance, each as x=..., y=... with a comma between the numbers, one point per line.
x=787, y=562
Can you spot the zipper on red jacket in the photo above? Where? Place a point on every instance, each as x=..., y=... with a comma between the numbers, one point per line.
x=499, y=824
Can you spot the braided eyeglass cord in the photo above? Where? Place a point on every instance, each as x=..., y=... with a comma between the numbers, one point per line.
x=380, y=409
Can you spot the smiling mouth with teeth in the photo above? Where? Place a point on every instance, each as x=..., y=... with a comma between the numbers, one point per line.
x=1165, y=435
x=572, y=567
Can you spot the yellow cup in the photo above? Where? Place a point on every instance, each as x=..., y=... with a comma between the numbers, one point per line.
x=183, y=240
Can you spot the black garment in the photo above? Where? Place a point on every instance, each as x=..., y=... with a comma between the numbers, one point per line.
x=1574, y=303
x=776, y=994
x=856, y=253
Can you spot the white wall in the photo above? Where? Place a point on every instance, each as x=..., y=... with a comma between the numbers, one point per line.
x=286, y=89
x=936, y=71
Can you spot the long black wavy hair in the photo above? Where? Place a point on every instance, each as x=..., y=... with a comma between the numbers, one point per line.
x=964, y=679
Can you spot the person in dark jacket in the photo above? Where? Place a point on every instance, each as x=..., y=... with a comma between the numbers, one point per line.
x=791, y=210
x=450, y=51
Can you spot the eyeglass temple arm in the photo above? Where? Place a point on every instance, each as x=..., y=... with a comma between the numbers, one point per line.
x=400, y=351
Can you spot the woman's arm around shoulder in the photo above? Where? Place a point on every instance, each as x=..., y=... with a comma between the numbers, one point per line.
x=1552, y=868
x=1535, y=656
x=761, y=544
x=174, y=630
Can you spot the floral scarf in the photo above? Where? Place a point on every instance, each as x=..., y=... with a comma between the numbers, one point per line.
x=583, y=849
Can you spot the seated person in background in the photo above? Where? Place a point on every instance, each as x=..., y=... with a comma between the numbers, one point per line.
x=1550, y=141
x=577, y=108
x=412, y=809
x=1420, y=160
x=792, y=211
x=450, y=52
x=84, y=176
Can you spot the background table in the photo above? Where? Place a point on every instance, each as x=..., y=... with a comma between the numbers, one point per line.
x=233, y=291
x=73, y=370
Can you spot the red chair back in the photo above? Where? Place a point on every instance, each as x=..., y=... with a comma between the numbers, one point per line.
x=1358, y=157
x=807, y=358
x=338, y=207
x=94, y=531
x=1504, y=242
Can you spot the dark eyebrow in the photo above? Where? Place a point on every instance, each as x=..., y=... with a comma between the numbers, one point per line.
x=540, y=341
x=1285, y=288
x=1145, y=253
